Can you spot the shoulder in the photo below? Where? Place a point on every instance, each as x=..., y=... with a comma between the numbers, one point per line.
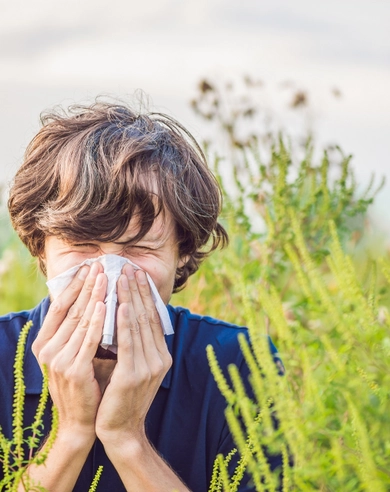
x=194, y=332
x=183, y=318
x=11, y=324
x=198, y=331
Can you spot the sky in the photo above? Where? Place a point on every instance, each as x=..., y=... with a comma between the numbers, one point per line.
x=65, y=52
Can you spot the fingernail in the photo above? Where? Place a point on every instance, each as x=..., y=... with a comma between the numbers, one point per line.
x=124, y=282
x=83, y=273
x=141, y=276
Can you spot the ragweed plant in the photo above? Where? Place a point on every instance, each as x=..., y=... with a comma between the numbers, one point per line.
x=12, y=451
x=296, y=270
x=13, y=457
x=96, y=478
x=333, y=404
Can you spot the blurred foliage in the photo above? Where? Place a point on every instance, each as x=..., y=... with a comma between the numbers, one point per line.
x=296, y=269
x=22, y=286
x=268, y=177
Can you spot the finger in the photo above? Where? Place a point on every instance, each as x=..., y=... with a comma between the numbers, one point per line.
x=123, y=290
x=164, y=356
x=79, y=307
x=156, y=353
x=59, y=307
x=92, y=338
x=148, y=362
x=131, y=322
x=83, y=299
x=125, y=337
x=77, y=319
x=141, y=314
x=80, y=332
x=153, y=316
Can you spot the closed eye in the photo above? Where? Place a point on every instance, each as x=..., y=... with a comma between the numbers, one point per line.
x=83, y=245
x=139, y=248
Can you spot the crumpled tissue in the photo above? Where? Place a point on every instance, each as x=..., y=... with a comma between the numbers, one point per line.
x=112, y=265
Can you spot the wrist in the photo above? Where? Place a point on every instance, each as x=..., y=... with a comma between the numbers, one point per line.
x=75, y=437
x=129, y=445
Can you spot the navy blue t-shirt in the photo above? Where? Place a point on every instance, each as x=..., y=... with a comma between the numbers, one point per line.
x=185, y=423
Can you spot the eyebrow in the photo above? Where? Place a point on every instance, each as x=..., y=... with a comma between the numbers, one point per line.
x=158, y=238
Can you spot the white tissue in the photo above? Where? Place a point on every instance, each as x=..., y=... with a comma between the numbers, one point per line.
x=112, y=265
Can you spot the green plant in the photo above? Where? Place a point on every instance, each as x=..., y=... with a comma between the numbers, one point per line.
x=12, y=455
x=96, y=479
x=333, y=404
x=22, y=286
x=292, y=271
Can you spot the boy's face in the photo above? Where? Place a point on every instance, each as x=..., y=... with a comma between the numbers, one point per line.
x=156, y=253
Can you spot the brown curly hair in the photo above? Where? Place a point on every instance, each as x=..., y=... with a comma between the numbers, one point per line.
x=90, y=169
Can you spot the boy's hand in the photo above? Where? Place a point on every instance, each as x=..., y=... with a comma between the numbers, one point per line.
x=67, y=343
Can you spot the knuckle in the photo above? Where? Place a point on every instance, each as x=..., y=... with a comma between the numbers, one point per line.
x=43, y=356
x=143, y=317
x=75, y=312
x=84, y=323
x=36, y=347
x=154, y=316
x=69, y=375
x=133, y=286
x=145, y=376
x=134, y=326
x=55, y=307
x=90, y=342
x=168, y=360
x=144, y=288
x=128, y=339
x=56, y=367
x=89, y=285
x=74, y=287
x=157, y=368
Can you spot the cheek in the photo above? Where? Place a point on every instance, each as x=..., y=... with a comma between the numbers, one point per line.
x=59, y=264
x=162, y=277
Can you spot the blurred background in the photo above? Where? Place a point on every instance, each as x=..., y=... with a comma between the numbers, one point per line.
x=319, y=66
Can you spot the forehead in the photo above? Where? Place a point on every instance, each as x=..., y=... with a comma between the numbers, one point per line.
x=163, y=229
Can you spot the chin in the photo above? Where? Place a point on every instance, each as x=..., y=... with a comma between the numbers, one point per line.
x=102, y=353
